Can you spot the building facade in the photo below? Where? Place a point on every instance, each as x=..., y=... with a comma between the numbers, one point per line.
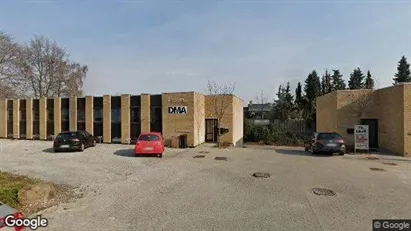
x=387, y=111
x=120, y=119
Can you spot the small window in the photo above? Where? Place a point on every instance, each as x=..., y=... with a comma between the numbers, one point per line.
x=23, y=115
x=149, y=138
x=135, y=115
x=10, y=115
x=329, y=136
x=65, y=114
x=50, y=114
x=115, y=115
x=36, y=115
x=81, y=115
x=155, y=114
x=98, y=114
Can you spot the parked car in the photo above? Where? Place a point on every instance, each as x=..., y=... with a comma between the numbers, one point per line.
x=73, y=140
x=6, y=210
x=151, y=143
x=325, y=142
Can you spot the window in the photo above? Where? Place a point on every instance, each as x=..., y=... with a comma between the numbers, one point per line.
x=98, y=114
x=149, y=138
x=135, y=115
x=10, y=114
x=22, y=115
x=115, y=115
x=50, y=114
x=65, y=114
x=155, y=114
x=81, y=115
x=36, y=115
x=329, y=136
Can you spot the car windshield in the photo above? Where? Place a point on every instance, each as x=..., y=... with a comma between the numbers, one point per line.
x=67, y=135
x=149, y=138
x=329, y=136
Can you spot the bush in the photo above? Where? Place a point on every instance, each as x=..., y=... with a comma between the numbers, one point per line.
x=270, y=135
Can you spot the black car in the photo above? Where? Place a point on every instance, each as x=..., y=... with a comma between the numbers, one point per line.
x=325, y=142
x=73, y=140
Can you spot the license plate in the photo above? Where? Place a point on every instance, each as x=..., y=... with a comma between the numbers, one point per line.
x=332, y=145
x=64, y=146
x=149, y=149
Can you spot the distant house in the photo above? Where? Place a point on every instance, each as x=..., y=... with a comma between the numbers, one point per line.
x=258, y=113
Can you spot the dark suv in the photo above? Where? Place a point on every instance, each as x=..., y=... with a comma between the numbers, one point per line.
x=325, y=142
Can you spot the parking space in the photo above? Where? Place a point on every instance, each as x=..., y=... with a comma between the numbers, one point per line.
x=179, y=192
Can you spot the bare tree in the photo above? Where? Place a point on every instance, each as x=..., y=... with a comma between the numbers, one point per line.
x=263, y=104
x=363, y=101
x=47, y=70
x=9, y=54
x=220, y=99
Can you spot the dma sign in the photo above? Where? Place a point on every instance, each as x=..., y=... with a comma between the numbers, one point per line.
x=177, y=110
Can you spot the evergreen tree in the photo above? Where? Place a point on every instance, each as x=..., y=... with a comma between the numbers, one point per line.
x=323, y=85
x=403, y=72
x=356, y=79
x=369, y=82
x=299, y=100
x=312, y=90
x=328, y=87
x=337, y=81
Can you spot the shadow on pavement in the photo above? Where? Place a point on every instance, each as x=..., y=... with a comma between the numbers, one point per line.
x=130, y=153
x=298, y=152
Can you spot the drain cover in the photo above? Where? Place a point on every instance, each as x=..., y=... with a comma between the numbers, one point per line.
x=372, y=158
x=391, y=163
x=199, y=156
x=377, y=169
x=220, y=158
x=205, y=152
x=261, y=175
x=323, y=192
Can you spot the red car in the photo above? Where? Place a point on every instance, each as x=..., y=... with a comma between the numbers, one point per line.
x=5, y=210
x=151, y=143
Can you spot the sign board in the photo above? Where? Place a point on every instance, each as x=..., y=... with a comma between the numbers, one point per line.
x=361, y=136
x=177, y=110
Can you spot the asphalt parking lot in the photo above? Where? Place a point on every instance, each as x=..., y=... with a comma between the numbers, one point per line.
x=179, y=192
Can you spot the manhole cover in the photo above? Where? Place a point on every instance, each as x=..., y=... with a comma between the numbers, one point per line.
x=205, y=152
x=261, y=175
x=199, y=156
x=323, y=192
x=220, y=158
x=372, y=158
x=390, y=163
x=377, y=169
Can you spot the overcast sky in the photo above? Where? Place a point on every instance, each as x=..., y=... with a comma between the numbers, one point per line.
x=165, y=46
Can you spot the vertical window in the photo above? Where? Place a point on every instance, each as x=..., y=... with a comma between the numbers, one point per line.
x=65, y=114
x=81, y=115
x=50, y=114
x=135, y=115
x=98, y=114
x=36, y=115
x=115, y=115
x=10, y=114
x=22, y=115
x=155, y=114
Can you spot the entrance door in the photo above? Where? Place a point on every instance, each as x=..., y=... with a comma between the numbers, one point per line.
x=373, y=132
x=211, y=130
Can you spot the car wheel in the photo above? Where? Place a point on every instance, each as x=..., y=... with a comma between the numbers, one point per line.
x=313, y=152
x=56, y=150
x=341, y=153
x=306, y=149
x=81, y=147
x=160, y=156
x=94, y=143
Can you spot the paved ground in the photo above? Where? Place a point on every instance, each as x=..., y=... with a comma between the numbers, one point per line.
x=179, y=192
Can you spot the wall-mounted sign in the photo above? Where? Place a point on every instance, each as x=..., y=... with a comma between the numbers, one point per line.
x=361, y=137
x=177, y=110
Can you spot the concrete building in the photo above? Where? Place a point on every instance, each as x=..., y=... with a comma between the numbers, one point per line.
x=387, y=111
x=122, y=118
